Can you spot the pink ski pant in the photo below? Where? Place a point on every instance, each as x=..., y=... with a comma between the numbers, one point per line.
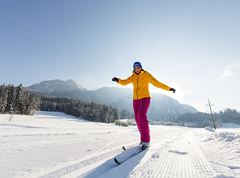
x=140, y=107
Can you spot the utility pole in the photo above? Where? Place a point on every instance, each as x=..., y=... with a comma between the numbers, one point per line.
x=210, y=106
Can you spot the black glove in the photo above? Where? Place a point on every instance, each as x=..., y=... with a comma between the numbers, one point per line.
x=115, y=79
x=172, y=89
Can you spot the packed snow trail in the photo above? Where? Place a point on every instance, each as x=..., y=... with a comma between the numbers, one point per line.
x=178, y=157
x=52, y=145
x=181, y=158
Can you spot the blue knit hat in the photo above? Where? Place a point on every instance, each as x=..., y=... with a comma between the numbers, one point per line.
x=137, y=64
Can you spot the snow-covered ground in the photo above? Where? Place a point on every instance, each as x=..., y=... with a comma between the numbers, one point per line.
x=57, y=145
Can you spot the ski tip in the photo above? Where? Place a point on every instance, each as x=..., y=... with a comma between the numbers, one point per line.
x=116, y=161
x=123, y=148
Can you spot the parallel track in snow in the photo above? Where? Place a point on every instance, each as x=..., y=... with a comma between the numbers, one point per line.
x=181, y=158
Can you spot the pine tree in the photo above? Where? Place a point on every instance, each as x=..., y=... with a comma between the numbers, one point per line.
x=28, y=104
x=3, y=98
x=125, y=114
x=32, y=103
x=10, y=99
x=115, y=114
x=18, y=107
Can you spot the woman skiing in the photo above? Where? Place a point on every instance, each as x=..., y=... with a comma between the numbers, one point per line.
x=141, y=98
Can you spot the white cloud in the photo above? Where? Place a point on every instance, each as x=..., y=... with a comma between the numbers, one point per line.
x=231, y=70
x=227, y=73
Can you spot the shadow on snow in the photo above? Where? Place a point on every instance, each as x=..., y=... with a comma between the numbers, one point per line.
x=110, y=169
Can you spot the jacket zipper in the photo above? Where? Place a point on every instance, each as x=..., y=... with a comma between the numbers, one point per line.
x=137, y=87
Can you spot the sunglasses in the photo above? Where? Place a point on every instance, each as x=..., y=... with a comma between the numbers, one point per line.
x=135, y=68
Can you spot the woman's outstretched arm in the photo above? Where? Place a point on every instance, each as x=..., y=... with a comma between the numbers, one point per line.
x=123, y=81
x=158, y=84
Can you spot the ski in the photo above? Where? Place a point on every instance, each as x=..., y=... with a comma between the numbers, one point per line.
x=127, y=154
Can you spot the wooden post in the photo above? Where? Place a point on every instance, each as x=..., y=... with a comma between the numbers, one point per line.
x=210, y=106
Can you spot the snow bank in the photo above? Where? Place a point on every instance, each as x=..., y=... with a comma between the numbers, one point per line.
x=222, y=150
x=228, y=136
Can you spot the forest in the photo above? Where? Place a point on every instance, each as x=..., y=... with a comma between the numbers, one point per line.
x=90, y=111
x=18, y=100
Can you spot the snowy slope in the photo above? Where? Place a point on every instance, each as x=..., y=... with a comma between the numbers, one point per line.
x=57, y=145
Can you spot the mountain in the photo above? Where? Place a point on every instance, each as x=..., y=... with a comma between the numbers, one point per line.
x=57, y=87
x=162, y=108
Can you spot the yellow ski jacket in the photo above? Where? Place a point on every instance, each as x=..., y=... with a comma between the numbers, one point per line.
x=141, y=82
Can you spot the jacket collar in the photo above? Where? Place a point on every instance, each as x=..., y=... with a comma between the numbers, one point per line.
x=142, y=72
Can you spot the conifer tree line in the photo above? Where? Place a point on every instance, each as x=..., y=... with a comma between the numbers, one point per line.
x=20, y=100
x=17, y=100
x=90, y=111
x=201, y=119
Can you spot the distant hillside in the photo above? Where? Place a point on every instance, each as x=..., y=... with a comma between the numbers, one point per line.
x=57, y=87
x=162, y=107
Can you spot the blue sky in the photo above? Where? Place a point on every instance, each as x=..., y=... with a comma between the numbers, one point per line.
x=190, y=45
